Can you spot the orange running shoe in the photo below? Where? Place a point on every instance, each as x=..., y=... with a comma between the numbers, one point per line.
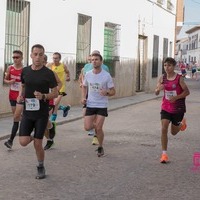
x=164, y=158
x=183, y=125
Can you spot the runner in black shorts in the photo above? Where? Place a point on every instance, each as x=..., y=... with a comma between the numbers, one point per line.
x=50, y=131
x=37, y=80
x=13, y=79
x=98, y=85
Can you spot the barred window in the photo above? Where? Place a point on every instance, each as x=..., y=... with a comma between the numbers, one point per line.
x=155, y=56
x=83, y=41
x=111, y=45
x=17, y=29
x=165, y=52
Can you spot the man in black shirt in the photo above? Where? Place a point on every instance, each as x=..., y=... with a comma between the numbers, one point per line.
x=37, y=80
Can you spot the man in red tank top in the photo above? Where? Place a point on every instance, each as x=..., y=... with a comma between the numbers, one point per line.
x=13, y=79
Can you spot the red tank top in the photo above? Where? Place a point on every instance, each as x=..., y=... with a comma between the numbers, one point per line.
x=51, y=102
x=15, y=87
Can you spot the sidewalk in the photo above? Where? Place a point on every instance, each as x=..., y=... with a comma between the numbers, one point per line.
x=76, y=111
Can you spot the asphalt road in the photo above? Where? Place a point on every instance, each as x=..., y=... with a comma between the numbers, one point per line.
x=130, y=169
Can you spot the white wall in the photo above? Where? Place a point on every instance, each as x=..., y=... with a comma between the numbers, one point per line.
x=53, y=23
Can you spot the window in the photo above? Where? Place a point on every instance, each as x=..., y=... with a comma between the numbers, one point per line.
x=111, y=45
x=83, y=41
x=170, y=48
x=155, y=56
x=161, y=2
x=165, y=52
x=170, y=5
x=17, y=29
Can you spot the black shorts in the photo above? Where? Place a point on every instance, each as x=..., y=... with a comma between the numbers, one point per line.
x=51, y=108
x=96, y=111
x=28, y=125
x=175, y=118
x=62, y=93
x=183, y=72
x=193, y=71
x=14, y=103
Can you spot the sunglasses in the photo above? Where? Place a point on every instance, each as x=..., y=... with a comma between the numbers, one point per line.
x=15, y=57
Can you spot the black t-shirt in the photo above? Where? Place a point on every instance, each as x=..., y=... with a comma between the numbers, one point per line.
x=37, y=80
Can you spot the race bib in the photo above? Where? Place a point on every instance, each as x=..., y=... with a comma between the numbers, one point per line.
x=15, y=86
x=169, y=94
x=32, y=104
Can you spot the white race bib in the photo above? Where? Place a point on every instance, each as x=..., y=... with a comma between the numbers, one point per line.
x=169, y=94
x=15, y=86
x=32, y=104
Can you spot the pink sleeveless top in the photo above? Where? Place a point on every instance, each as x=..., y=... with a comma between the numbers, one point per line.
x=172, y=88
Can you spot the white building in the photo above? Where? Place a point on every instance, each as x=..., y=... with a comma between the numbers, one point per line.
x=133, y=36
x=193, y=52
x=181, y=49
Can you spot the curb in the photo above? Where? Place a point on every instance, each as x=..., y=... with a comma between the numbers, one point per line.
x=80, y=117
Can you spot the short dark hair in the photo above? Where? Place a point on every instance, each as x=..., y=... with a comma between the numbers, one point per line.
x=98, y=55
x=170, y=60
x=45, y=58
x=56, y=53
x=18, y=52
x=39, y=46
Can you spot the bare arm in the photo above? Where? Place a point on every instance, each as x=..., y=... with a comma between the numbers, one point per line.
x=84, y=93
x=159, y=86
x=7, y=75
x=58, y=82
x=111, y=92
x=67, y=73
x=53, y=94
x=20, y=97
x=80, y=78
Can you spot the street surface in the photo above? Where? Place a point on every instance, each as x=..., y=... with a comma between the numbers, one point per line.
x=130, y=169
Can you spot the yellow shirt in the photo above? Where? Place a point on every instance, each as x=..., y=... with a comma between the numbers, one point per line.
x=60, y=71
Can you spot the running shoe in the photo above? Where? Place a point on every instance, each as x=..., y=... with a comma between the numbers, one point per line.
x=164, y=158
x=8, y=144
x=91, y=132
x=53, y=117
x=49, y=144
x=40, y=172
x=183, y=125
x=65, y=110
x=95, y=140
x=100, y=151
x=52, y=131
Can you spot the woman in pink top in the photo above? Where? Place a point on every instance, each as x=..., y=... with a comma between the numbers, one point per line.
x=173, y=103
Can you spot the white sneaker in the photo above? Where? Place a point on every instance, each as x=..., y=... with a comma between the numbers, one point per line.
x=91, y=132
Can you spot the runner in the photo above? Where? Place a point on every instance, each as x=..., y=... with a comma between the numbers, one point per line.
x=64, y=75
x=36, y=82
x=13, y=78
x=98, y=85
x=173, y=104
x=51, y=126
x=87, y=67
